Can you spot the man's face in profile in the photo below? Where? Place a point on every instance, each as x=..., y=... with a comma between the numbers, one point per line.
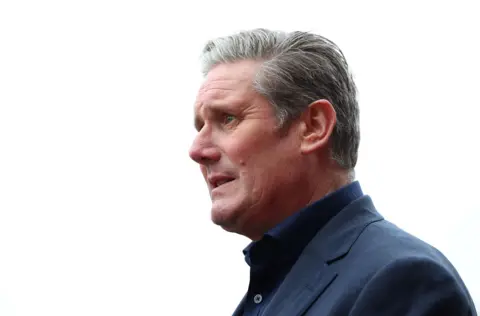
x=246, y=162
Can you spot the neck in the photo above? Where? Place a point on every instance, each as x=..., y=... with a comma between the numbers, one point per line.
x=306, y=193
x=331, y=183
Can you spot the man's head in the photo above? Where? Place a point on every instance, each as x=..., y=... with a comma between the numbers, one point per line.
x=277, y=122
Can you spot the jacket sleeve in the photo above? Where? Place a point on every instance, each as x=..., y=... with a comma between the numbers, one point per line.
x=414, y=287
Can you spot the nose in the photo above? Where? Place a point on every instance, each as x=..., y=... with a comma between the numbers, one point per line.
x=203, y=151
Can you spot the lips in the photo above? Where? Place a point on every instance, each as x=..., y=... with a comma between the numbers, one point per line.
x=216, y=181
x=221, y=182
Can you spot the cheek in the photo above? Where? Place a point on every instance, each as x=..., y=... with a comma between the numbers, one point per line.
x=237, y=153
x=271, y=166
x=248, y=151
x=259, y=170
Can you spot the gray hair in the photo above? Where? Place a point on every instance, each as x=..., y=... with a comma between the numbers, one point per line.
x=297, y=69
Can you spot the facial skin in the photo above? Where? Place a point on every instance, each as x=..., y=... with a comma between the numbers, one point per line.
x=269, y=174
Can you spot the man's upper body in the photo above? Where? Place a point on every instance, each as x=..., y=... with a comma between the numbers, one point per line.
x=278, y=137
x=339, y=256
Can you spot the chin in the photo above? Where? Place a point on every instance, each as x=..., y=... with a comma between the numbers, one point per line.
x=225, y=216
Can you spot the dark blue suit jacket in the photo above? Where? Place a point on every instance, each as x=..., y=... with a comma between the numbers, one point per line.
x=361, y=264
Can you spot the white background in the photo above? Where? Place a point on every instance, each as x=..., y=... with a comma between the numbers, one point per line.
x=103, y=213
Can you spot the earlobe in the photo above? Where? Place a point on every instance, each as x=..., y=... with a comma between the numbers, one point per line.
x=319, y=120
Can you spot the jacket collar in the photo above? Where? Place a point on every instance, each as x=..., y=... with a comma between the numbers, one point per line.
x=313, y=272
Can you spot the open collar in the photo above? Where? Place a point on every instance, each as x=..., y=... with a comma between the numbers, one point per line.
x=313, y=272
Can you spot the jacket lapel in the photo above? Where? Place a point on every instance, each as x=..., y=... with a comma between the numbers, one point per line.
x=301, y=287
x=313, y=272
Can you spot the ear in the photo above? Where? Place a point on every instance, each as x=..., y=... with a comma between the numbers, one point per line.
x=318, y=122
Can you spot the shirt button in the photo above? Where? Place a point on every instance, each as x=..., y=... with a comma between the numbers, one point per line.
x=258, y=298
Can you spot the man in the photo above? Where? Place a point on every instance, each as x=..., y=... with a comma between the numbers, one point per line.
x=278, y=136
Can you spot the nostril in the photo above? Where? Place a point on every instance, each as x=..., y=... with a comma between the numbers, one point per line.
x=208, y=155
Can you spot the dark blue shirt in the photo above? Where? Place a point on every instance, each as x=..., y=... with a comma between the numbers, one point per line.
x=272, y=257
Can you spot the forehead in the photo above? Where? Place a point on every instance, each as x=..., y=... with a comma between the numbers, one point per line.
x=227, y=84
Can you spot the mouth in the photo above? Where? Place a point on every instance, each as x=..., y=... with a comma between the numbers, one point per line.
x=219, y=183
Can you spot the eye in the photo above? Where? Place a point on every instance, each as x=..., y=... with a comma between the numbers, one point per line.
x=228, y=118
